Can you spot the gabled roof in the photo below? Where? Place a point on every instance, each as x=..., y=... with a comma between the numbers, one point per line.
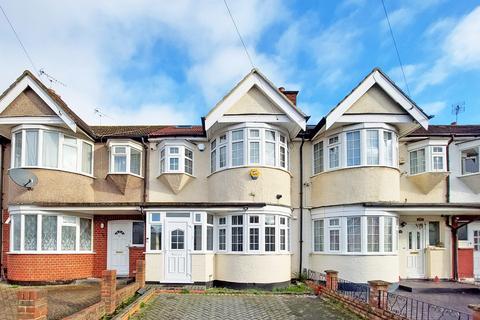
x=136, y=131
x=54, y=101
x=256, y=78
x=375, y=77
x=179, y=131
x=448, y=130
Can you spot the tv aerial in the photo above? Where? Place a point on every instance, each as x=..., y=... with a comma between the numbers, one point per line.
x=51, y=79
x=458, y=108
x=23, y=178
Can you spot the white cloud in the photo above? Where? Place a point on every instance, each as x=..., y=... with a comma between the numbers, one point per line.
x=90, y=45
x=433, y=108
x=460, y=50
x=406, y=14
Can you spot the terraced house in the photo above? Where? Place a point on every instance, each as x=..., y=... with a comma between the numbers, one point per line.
x=250, y=197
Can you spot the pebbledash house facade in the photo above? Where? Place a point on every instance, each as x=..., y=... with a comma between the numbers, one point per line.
x=250, y=197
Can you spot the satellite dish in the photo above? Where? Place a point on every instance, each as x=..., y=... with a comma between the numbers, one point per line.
x=23, y=178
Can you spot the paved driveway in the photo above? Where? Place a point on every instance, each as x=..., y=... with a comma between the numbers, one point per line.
x=231, y=307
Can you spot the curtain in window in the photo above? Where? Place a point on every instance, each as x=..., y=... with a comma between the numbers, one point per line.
x=30, y=240
x=16, y=221
x=318, y=157
x=69, y=154
x=85, y=234
x=49, y=233
x=254, y=152
x=31, y=148
x=68, y=238
x=318, y=235
x=388, y=234
x=373, y=234
x=156, y=237
x=270, y=153
x=372, y=147
x=223, y=156
x=86, y=158
x=388, y=147
x=18, y=150
x=50, y=149
x=135, y=157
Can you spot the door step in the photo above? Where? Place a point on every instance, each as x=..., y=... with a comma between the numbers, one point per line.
x=178, y=287
x=426, y=286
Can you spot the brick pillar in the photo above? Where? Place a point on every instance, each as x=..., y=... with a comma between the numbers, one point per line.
x=32, y=304
x=109, y=290
x=378, y=290
x=475, y=311
x=140, y=276
x=332, y=279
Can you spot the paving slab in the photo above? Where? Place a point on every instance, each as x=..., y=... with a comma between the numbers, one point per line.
x=233, y=307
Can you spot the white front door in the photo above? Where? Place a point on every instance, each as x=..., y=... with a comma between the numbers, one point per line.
x=177, y=257
x=119, y=235
x=476, y=253
x=414, y=250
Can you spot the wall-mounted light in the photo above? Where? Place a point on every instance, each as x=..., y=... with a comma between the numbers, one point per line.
x=201, y=147
x=102, y=225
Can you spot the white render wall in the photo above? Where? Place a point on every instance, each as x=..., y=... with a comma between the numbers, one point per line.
x=459, y=191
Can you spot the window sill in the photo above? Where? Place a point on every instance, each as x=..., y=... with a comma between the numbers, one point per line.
x=56, y=169
x=51, y=252
x=353, y=167
x=251, y=167
x=367, y=254
x=175, y=172
x=124, y=173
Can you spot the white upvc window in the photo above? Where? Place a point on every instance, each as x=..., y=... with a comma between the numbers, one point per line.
x=470, y=161
x=50, y=233
x=125, y=157
x=155, y=232
x=373, y=150
x=334, y=152
x=438, y=158
x=269, y=233
x=355, y=235
x=176, y=158
x=253, y=232
x=237, y=233
x=222, y=234
x=417, y=161
x=318, y=157
x=249, y=146
x=284, y=233
x=353, y=148
x=42, y=147
x=210, y=220
x=388, y=146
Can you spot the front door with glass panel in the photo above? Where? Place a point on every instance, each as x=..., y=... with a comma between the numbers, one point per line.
x=414, y=250
x=476, y=253
x=119, y=235
x=177, y=249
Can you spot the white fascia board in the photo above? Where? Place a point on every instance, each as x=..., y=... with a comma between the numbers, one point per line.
x=32, y=120
x=382, y=118
x=36, y=209
x=242, y=89
x=254, y=118
x=388, y=87
x=28, y=82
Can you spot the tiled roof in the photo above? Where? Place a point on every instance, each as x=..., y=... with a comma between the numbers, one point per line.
x=176, y=131
x=125, y=131
x=447, y=130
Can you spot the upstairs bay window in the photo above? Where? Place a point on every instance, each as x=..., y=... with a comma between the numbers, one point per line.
x=345, y=235
x=249, y=146
x=470, y=161
x=45, y=148
x=125, y=158
x=362, y=147
x=429, y=158
x=50, y=233
x=176, y=159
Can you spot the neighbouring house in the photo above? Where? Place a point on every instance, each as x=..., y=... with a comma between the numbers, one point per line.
x=250, y=197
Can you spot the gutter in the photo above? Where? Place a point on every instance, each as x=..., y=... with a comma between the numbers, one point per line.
x=301, y=205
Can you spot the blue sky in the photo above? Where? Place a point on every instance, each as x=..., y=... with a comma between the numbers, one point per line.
x=148, y=62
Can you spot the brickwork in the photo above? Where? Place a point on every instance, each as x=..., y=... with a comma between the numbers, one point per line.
x=476, y=311
x=140, y=275
x=32, y=304
x=135, y=254
x=49, y=267
x=96, y=311
x=5, y=241
x=108, y=290
x=375, y=298
x=331, y=279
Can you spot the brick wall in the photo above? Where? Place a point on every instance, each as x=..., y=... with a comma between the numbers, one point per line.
x=5, y=241
x=49, y=267
x=136, y=253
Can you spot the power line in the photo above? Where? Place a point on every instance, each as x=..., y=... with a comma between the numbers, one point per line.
x=19, y=41
x=396, y=48
x=239, y=35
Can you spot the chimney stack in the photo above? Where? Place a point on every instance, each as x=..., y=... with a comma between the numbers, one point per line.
x=291, y=95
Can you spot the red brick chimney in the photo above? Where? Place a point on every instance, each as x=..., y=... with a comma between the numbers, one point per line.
x=291, y=95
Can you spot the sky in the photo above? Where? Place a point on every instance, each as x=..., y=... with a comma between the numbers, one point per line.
x=170, y=62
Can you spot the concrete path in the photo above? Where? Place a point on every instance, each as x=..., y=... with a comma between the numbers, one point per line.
x=232, y=307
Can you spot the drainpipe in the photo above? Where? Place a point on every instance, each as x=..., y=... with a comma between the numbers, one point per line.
x=453, y=230
x=447, y=195
x=145, y=170
x=2, y=157
x=301, y=203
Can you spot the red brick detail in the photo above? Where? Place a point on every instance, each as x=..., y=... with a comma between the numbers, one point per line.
x=465, y=263
x=32, y=304
x=140, y=275
x=135, y=254
x=108, y=291
x=49, y=267
x=5, y=241
x=331, y=279
x=96, y=311
x=377, y=296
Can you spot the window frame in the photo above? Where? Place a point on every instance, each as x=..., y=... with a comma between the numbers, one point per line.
x=20, y=131
x=39, y=218
x=128, y=144
x=463, y=158
x=165, y=154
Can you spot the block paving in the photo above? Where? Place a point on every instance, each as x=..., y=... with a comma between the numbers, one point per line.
x=232, y=307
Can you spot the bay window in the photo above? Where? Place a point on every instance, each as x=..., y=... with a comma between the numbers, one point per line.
x=176, y=158
x=50, y=233
x=346, y=235
x=425, y=157
x=470, y=161
x=125, y=157
x=249, y=146
x=417, y=161
x=42, y=148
